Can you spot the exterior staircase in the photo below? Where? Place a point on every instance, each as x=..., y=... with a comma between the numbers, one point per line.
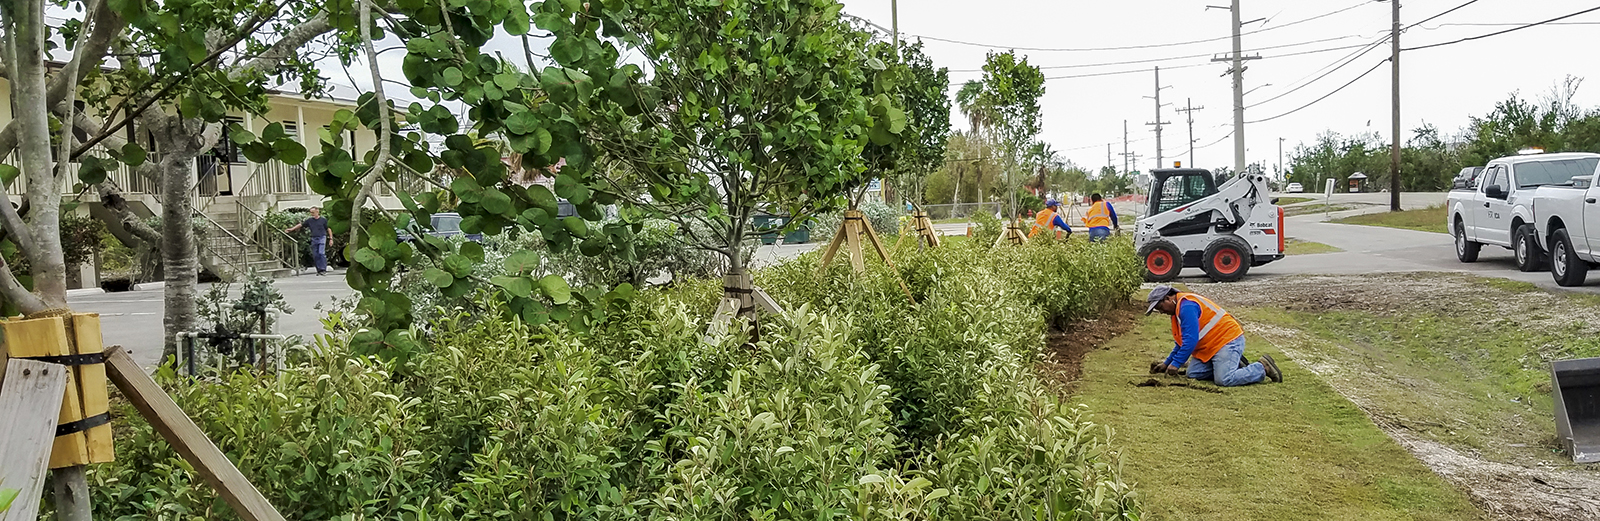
x=234, y=241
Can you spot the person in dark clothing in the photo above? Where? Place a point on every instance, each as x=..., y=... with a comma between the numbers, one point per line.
x=317, y=225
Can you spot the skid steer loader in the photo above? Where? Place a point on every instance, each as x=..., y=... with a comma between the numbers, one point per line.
x=1190, y=222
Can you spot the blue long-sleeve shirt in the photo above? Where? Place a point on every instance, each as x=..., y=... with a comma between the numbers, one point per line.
x=1189, y=325
x=1058, y=222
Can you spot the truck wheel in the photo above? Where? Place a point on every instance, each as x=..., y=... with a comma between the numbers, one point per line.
x=1466, y=251
x=1227, y=259
x=1162, y=261
x=1529, y=256
x=1565, y=266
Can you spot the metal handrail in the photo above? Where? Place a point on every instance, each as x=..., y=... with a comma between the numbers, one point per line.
x=273, y=241
x=215, y=226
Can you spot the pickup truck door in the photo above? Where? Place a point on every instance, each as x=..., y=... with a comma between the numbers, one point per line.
x=1583, y=237
x=1493, y=222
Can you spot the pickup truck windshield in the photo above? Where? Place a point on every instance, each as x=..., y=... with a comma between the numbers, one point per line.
x=1542, y=173
x=448, y=223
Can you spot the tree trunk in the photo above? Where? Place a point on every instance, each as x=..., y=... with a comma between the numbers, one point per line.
x=28, y=97
x=180, y=260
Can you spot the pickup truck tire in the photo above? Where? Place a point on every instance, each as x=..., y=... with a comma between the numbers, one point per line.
x=1530, y=257
x=1466, y=251
x=1226, y=259
x=1162, y=260
x=1565, y=266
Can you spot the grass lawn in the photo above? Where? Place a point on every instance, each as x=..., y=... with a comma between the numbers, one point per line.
x=1296, y=450
x=1285, y=201
x=1299, y=247
x=1428, y=219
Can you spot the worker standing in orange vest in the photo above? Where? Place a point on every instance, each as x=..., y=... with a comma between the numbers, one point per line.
x=1100, y=218
x=1209, y=339
x=1049, y=220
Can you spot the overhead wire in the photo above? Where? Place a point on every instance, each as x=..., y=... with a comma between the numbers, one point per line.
x=1175, y=58
x=1497, y=33
x=1324, y=96
x=1447, y=11
x=1130, y=47
x=1346, y=61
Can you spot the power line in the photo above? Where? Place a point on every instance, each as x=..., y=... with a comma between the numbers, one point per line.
x=1347, y=61
x=1174, y=58
x=1325, y=96
x=1497, y=33
x=1127, y=47
x=1451, y=10
x=1137, y=71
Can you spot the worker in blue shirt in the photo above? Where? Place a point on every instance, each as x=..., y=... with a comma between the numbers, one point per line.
x=1049, y=220
x=1209, y=339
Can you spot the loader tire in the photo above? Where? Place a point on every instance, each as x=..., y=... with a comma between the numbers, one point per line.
x=1227, y=259
x=1162, y=260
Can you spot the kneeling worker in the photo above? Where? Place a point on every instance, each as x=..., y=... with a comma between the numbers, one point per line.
x=1100, y=218
x=1209, y=339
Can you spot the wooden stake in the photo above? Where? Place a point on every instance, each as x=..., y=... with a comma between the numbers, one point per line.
x=852, y=223
x=873, y=236
x=187, y=439
x=833, y=248
x=30, y=400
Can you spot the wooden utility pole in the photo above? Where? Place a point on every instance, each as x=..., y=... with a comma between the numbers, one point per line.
x=1188, y=110
x=1394, y=148
x=1158, y=123
x=1237, y=59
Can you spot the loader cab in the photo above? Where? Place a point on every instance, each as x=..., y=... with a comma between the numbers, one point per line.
x=1172, y=188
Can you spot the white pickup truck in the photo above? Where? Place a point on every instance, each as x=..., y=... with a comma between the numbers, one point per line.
x=1570, y=227
x=1500, y=209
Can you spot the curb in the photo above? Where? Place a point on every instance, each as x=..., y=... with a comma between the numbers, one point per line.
x=85, y=291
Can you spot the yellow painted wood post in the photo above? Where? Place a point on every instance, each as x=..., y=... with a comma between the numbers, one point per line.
x=852, y=224
x=85, y=396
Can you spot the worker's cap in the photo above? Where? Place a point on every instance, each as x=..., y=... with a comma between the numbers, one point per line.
x=1157, y=295
x=1052, y=202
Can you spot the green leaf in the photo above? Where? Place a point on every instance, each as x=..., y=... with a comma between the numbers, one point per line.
x=458, y=265
x=495, y=202
x=289, y=151
x=91, y=170
x=8, y=174
x=518, y=286
x=369, y=259
x=556, y=288
x=133, y=154
x=438, y=277
x=258, y=152
x=451, y=77
x=472, y=250
x=577, y=227
x=241, y=136
x=543, y=199
x=273, y=132
x=522, y=262
x=517, y=22
x=381, y=233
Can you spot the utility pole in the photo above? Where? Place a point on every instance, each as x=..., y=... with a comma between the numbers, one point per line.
x=1108, y=155
x=1125, y=146
x=1188, y=110
x=894, y=23
x=1394, y=149
x=1158, y=123
x=1237, y=59
x=1280, y=160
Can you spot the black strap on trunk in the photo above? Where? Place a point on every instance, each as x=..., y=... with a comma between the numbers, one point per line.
x=84, y=424
x=83, y=359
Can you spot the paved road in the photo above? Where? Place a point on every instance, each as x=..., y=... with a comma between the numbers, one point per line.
x=133, y=318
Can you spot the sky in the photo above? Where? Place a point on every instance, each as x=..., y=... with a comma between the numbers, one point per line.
x=1442, y=86
x=1308, y=50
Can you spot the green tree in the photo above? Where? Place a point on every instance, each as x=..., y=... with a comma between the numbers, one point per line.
x=921, y=91
x=1009, y=94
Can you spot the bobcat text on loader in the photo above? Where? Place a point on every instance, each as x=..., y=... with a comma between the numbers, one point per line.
x=1191, y=222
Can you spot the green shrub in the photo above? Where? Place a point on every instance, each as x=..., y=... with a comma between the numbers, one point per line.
x=855, y=405
x=987, y=229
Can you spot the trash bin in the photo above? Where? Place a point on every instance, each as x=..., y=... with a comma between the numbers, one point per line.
x=768, y=226
x=800, y=235
x=1576, y=387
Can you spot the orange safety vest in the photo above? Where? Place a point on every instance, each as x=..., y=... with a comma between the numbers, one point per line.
x=1217, y=327
x=1099, y=215
x=1043, y=223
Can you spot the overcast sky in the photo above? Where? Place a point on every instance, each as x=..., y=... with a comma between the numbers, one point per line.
x=1442, y=86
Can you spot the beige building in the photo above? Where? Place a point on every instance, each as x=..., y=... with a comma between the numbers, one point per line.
x=232, y=195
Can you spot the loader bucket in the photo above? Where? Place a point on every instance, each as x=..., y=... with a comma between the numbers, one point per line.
x=1576, y=384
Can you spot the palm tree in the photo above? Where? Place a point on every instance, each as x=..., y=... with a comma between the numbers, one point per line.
x=978, y=112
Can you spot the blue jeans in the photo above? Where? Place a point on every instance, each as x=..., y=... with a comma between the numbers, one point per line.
x=319, y=253
x=1099, y=234
x=1224, y=370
